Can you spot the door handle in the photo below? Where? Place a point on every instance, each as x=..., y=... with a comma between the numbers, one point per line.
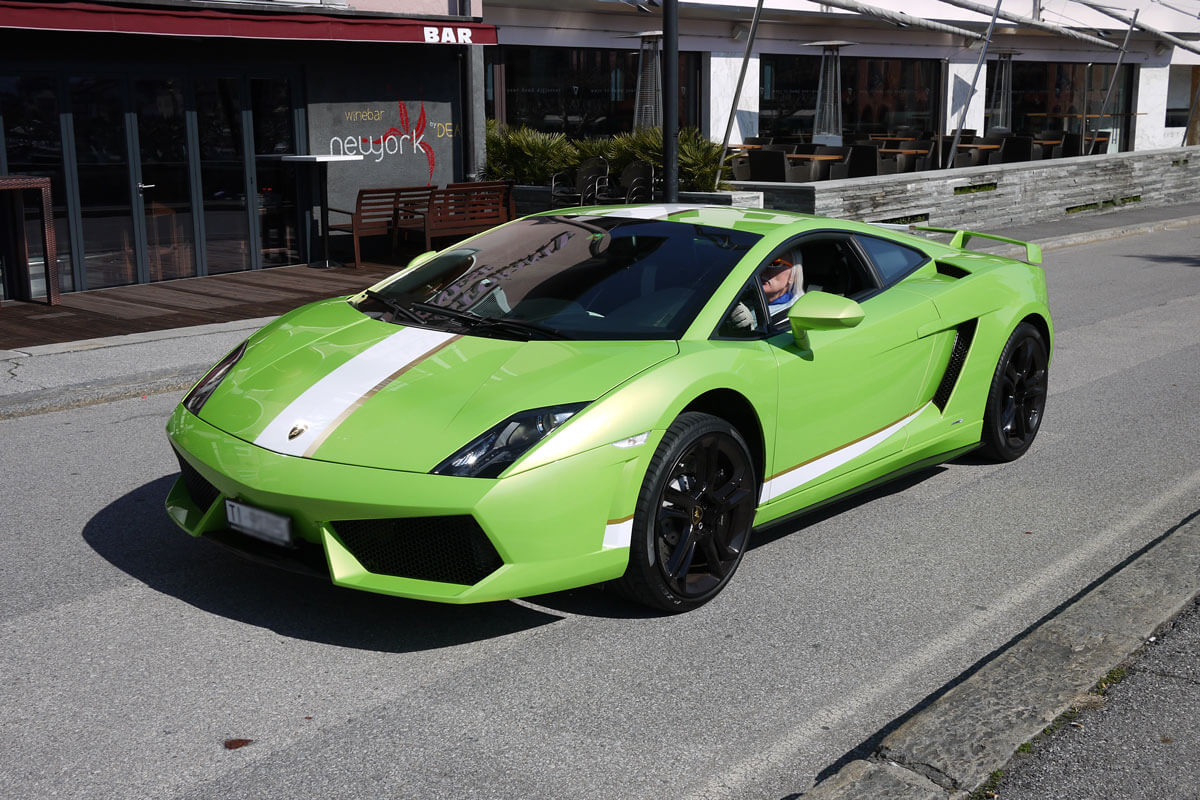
x=143, y=186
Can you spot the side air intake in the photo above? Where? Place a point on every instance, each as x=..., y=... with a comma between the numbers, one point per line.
x=958, y=356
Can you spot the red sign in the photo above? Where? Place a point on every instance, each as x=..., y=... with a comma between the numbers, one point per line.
x=208, y=22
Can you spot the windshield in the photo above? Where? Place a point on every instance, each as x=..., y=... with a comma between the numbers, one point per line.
x=577, y=277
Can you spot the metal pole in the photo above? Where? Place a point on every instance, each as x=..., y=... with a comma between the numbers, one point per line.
x=1166, y=37
x=1191, y=115
x=1031, y=22
x=962, y=116
x=737, y=93
x=1112, y=83
x=671, y=101
x=896, y=17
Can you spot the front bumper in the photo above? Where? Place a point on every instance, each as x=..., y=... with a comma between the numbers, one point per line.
x=555, y=527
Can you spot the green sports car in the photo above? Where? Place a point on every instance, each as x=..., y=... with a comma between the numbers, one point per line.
x=607, y=394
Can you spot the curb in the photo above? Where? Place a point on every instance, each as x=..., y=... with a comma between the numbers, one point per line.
x=1093, y=236
x=952, y=746
x=43, y=401
x=175, y=377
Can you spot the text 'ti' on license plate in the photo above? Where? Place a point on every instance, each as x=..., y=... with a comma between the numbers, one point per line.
x=265, y=525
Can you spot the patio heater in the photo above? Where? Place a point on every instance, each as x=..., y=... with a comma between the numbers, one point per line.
x=827, y=124
x=647, y=103
x=1000, y=103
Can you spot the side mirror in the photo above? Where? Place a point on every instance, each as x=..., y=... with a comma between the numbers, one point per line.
x=821, y=311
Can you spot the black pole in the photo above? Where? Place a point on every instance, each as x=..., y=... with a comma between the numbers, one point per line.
x=671, y=101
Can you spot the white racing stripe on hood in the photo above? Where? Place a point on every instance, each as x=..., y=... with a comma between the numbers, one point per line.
x=814, y=469
x=328, y=401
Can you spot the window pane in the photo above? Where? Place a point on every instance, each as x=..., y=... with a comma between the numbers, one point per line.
x=582, y=92
x=893, y=261
x=33, y=141
x=222, y=174
x=102, y=154
x=271, y=100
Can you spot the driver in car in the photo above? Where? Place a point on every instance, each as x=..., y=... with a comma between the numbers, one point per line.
x=781, y=285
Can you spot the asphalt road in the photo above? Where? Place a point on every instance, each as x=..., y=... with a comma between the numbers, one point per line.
x=130, y=652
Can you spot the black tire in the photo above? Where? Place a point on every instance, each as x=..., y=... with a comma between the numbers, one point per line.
x=693, y=517
x=1017, y=397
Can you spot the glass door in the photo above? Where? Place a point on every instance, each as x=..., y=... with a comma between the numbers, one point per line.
x=165, y=187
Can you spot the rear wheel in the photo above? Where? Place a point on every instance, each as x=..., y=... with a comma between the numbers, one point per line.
x=693, y=516
x=1017, y=397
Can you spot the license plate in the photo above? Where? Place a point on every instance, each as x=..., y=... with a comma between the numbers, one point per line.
x=265, y=525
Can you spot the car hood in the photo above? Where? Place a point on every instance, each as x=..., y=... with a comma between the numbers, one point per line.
x=329, y=383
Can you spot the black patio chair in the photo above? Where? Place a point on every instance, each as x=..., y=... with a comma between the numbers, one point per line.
x=862, y=161
x=634, y=185
x=581, y=189
x=1014, y=149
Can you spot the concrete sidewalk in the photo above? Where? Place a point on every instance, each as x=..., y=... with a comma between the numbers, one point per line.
x=52, y=377
x=1138, y=739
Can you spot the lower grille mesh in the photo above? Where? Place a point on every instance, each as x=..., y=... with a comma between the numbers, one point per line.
x=443, y=549
x=203, y=493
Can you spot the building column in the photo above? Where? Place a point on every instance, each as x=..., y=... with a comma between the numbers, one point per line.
x=723, y=70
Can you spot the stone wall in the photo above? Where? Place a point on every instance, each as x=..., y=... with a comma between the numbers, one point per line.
x=1022, y=193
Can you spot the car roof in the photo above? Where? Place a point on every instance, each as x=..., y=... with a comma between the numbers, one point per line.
x=772, y=225
x=754, y=220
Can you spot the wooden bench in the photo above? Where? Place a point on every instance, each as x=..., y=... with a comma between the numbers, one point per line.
x=383, y=212
x=461, y=209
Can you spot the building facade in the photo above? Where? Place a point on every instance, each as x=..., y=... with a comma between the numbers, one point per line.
x=892, y=75
x=170, y=130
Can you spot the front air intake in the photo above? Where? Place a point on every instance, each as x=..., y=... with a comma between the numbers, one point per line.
x=203, y=493
x=443, y=549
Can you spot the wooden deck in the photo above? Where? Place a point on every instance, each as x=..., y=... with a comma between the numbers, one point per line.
x=178, y=303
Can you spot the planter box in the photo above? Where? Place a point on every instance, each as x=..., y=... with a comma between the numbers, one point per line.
x=532, y=199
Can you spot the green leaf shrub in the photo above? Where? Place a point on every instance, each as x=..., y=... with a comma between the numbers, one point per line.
x=531, y=157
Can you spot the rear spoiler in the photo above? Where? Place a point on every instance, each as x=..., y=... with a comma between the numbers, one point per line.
x=959, y=239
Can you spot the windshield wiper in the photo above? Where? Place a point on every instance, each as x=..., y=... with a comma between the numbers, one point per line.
x=474, y=321
x=395, y=306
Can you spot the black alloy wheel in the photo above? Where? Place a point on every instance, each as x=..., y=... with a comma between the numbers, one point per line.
x=693, y=517
x=1017, y=398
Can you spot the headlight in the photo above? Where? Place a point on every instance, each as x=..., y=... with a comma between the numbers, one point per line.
x=203, y=390
x=492, y=453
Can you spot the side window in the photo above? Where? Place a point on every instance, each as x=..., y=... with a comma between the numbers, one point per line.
x=831, y=264
x=747, y=318
x=893, y=260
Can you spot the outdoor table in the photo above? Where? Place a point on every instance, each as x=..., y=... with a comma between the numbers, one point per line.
x=969, y=146
x=908, y=151
x=814, y=157
x=1047, y=142
x=322, y=164
x=17, y=185
x=892, y=138
x=745, y=147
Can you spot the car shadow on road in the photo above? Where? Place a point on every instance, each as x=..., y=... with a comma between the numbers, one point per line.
x=1180, y=260
x=135, y=535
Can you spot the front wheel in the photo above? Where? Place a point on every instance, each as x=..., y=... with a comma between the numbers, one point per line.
x=1017, y=397
x=693, y=516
